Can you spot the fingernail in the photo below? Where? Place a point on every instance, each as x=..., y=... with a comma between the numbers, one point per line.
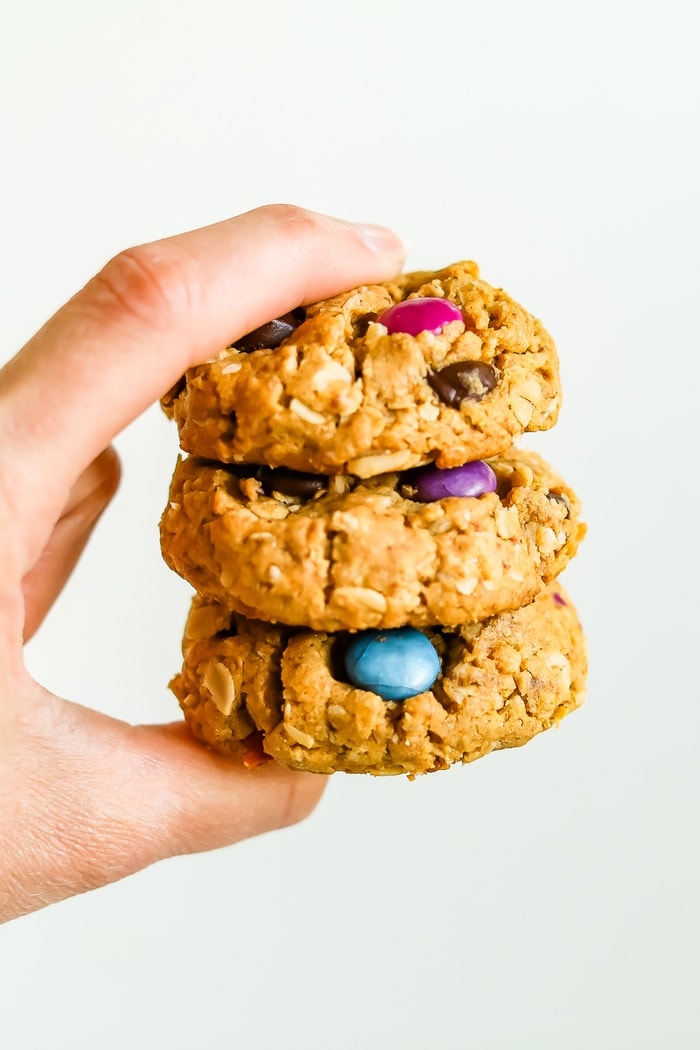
x=382, y=241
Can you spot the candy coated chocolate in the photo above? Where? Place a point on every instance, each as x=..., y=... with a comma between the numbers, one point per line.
x=463, y=381
x=472, y=479
x=393, y=664
x=419, y=315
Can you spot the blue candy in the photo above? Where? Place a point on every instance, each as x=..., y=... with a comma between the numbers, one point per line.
x=393, y=664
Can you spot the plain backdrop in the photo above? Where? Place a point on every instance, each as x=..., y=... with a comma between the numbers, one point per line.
x=544, y=898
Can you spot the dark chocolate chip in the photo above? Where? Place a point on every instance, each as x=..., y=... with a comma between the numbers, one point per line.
x=559, y=497
x=336, y=656
x=270, y=335
x=406, y=482
x=237, y=470
x=291, y=482
x=362, y=323
x=504, y=486
x=175, y=391
x=463, y=381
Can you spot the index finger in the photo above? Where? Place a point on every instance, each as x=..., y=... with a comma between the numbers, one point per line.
x=155, y=311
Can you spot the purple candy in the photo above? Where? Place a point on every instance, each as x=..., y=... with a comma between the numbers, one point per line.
x=472, y=479
x=419, y=315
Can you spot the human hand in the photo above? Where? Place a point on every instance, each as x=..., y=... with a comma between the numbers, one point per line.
x=86, y=799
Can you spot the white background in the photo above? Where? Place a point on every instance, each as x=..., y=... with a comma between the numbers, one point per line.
x=543, y=898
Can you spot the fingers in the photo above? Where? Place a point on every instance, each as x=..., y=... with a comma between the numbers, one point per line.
x=216, y=800
x=160, y=308
x=88, y=498
x=96, y=800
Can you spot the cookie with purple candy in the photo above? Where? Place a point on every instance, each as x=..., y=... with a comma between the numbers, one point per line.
x=431, y=367
x=383, y=702
x=422, y=547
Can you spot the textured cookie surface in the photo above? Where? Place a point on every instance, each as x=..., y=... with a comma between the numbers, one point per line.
x=503, y=681
x=362, y=553
x=341, y=395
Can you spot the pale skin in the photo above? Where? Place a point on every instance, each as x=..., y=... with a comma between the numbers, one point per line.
x=85, y=799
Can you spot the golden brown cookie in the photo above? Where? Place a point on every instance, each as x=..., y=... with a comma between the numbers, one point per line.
x=246, y=684
x=338, y=393
x=365, y=553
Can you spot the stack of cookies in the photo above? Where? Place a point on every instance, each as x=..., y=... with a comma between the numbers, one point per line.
x=376, y=564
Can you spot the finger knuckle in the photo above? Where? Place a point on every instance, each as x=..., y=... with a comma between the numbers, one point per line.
x=291, y=218
x=148, y=282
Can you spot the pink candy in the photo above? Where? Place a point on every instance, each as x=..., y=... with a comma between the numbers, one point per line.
x=419, y=315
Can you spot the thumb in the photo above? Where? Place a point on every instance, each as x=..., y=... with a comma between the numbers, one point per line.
x=87, y=800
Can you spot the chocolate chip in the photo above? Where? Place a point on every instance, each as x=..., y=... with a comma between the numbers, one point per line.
x=559, y=497
x=504, y=487
x=175, y=391
x=291, y=482
x=463, y=381
x=336, y=656
x=362, y=323
x=405, y=488
x=237, y=470
x=270, y=335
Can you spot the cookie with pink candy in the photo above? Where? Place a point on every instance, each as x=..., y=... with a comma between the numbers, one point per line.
x=432, y=367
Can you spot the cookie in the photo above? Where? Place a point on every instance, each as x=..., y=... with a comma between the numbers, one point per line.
x=249, y=688
x=376, y=380
x=336, y=553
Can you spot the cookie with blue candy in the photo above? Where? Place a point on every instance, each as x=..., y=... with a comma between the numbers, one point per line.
x=416, y=548
x=382, y=702
x=431, y=367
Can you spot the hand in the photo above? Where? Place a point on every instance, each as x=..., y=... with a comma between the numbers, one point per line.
x=86, y=799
